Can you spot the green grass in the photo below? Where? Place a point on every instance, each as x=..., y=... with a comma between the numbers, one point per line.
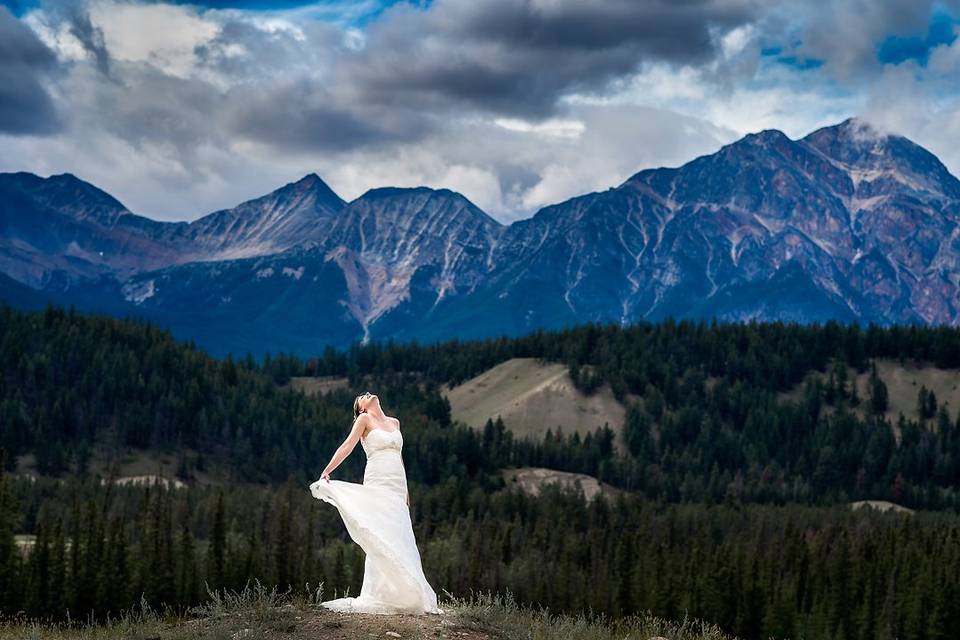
x=518, y=622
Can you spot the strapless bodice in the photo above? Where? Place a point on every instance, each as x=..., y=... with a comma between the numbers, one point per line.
x=384, y=466
x=382, y=440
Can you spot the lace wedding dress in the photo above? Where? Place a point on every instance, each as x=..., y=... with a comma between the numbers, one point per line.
x=378, y=519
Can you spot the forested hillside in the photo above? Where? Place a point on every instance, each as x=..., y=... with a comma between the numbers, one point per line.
x=709, y=423
x=735, y=511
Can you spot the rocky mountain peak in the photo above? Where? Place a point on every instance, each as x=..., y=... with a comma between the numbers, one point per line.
x=883, y=161
x=294, y=213
x=402, y=203
x=68, y=194
x=849, y=223
x=314, y=185
x=755, y=142
x=765, y=138
x=853, y=142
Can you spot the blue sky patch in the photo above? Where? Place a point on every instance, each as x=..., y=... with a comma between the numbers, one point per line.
x=896, y=49
x=800, y=64
x=19, y=7
x=362, y=11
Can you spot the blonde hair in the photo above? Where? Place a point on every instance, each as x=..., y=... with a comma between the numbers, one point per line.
x=356, y=406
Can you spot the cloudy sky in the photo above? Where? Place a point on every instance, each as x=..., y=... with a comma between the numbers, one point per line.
x=180, y=109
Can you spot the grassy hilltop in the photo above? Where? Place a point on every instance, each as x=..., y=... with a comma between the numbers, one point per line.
x=260, y=613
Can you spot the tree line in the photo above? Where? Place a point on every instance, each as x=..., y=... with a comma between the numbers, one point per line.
x=705, y=418
x=756, y=570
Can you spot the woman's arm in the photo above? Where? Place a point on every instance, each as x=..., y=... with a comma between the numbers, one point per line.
x=346, y=447
x=404, y=468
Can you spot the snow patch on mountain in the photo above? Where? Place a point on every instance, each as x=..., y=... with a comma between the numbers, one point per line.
x=137, y=292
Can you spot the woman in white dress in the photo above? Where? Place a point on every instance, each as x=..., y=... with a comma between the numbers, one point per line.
x=377, y=516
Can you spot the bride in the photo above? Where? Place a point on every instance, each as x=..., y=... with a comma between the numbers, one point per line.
x=377, y=516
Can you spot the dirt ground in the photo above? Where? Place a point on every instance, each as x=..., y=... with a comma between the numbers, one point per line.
x=531, y=481
x=344, y=625
x=317, y=623
x=312, y=386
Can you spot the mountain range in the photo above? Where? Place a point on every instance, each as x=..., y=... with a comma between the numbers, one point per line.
x=846, y=223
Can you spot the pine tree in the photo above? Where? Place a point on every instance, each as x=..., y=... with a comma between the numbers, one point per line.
x=879, y=401
x=90, y=547
x=283, y=547
x=186, y=569
x=9, y=521
x=38, y=575
x=931, y=404
x=56, y=592
x=113, y=582
x=217, y=550
x=926, y=403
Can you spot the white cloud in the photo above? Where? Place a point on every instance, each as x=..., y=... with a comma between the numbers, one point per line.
x=275, y=24
x=557, y=183
x=552, y=127
x=737, y=39
x=907, y=100
x=354, y=39
x=57, y=36
x=482, y=185
x=178, y=128
x=164, y=35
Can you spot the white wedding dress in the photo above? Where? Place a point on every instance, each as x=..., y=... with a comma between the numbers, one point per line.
x=378, y=519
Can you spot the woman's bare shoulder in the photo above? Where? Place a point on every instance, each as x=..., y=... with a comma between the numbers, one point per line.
x=395, y=421
x=362, y=422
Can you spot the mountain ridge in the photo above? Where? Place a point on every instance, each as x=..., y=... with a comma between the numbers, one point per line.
x=845, y=222
x=270, y=223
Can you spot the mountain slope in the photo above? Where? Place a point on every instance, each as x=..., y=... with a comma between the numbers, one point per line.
x=390, y=251
x=282, y=219
x=406, y=250
x=844, y=223
x=292, y=301
x=58, y=230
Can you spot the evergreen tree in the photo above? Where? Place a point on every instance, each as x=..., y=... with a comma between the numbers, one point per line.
x=9, y=521
x=187, y=588
x=878, y=392
x=217, y=550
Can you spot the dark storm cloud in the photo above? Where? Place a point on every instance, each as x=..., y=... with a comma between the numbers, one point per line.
x=414, y=93
x=420, y=69
x=302, y=116
x=671, y=30
x=520, y=57
x=25, y=105
x=89, y=36
x=75, y=15
x=301, y=108
x=423, y=68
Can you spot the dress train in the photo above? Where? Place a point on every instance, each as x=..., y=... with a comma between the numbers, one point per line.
x=377, y=518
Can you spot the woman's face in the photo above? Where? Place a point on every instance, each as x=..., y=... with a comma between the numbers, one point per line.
x=367, y=400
